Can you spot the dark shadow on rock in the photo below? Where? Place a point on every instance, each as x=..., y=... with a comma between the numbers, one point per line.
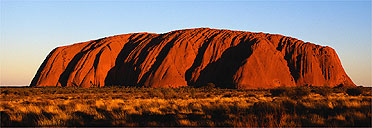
x=159, y=59
x=72, y=64
x=126, y=73
x=294, y=70
x=221, y=72
x=198, y=60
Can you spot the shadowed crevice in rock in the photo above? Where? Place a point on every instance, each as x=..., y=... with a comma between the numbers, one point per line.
x=125, y=73
x=72, y=64
x=198, y=60
x=159, y=60
x=221, y=72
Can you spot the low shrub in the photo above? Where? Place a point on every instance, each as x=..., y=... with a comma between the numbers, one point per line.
x=339, y=89
x=276, y=92
x=169, y=93
x=291, y=92
x=324, y=91
x=267, y=108
x=208, y=86
x=356, y=91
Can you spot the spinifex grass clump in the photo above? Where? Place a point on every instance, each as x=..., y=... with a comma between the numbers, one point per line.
x=294, y=92
x=354, y=91
x=117, y=106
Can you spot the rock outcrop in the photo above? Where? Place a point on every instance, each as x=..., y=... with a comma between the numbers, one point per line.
x=192, y=57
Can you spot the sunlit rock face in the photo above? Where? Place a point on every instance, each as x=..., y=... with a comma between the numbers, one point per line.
x=193, y=57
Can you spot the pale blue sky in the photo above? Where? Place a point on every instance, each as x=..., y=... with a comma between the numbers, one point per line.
x=30, y=30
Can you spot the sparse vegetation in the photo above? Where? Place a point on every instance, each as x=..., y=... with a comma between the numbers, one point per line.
x=186, y=106
x=324, y=91
x=355, y=91
x=291, y=92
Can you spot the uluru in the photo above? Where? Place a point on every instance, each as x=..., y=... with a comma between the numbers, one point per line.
x=193, y=57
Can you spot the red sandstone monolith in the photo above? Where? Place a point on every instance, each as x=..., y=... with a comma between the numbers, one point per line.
x=193, y=57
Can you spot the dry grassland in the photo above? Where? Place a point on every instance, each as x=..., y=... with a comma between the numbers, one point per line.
x=115, y=106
